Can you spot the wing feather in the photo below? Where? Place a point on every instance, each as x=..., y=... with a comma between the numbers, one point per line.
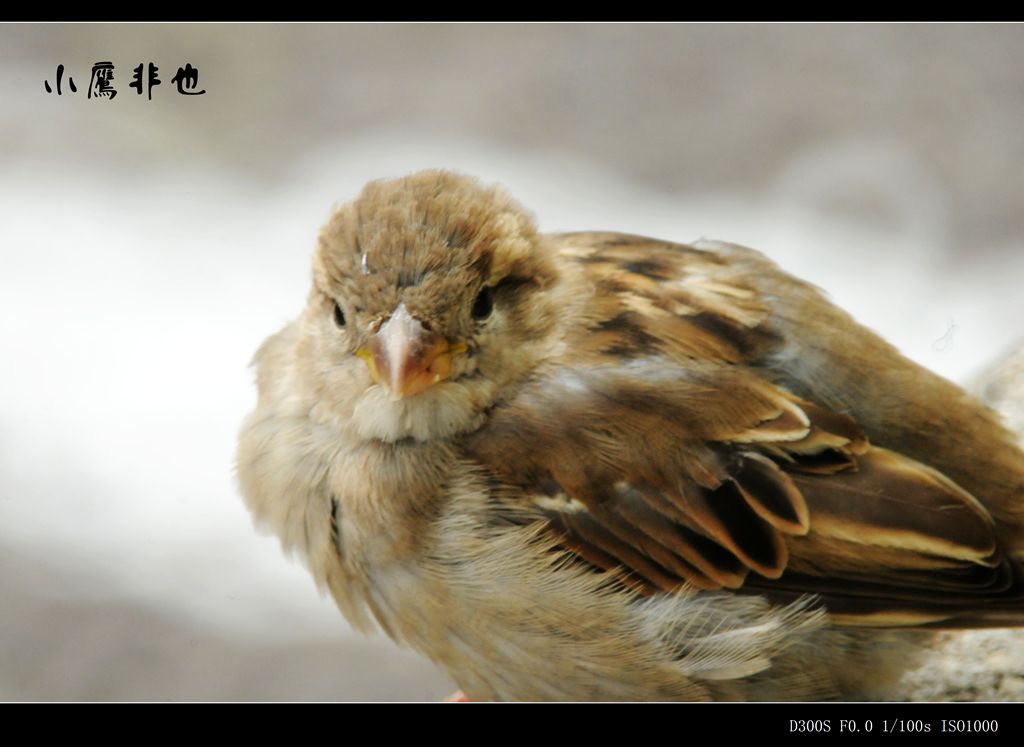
x=661, y=445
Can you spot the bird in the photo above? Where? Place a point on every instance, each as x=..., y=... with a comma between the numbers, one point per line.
x=600, y=466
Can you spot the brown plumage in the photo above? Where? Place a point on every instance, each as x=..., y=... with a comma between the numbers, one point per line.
x=599, y=466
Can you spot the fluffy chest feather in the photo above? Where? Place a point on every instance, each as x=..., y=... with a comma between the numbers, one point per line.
x=482, y=587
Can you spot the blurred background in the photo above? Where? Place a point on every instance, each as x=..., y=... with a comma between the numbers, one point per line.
x=150, y=244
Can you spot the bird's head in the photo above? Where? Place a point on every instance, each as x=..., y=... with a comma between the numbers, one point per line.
x=432, y=299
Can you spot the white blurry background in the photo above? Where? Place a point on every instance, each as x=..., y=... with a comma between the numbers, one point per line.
x=148, y=246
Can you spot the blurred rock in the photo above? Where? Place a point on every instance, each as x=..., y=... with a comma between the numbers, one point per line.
x=981, y=665
x=1002, y=388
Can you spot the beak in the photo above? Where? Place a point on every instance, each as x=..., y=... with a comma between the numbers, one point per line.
x=405, y=358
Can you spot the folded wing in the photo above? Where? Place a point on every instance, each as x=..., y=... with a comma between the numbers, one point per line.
x=658, y=446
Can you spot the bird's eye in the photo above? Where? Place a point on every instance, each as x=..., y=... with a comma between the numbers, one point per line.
x=339, y=315
x=484, y=304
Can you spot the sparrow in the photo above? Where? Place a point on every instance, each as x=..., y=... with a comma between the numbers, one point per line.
x=597, y=466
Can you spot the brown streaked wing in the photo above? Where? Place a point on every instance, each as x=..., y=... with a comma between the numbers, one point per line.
x=672, y=458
